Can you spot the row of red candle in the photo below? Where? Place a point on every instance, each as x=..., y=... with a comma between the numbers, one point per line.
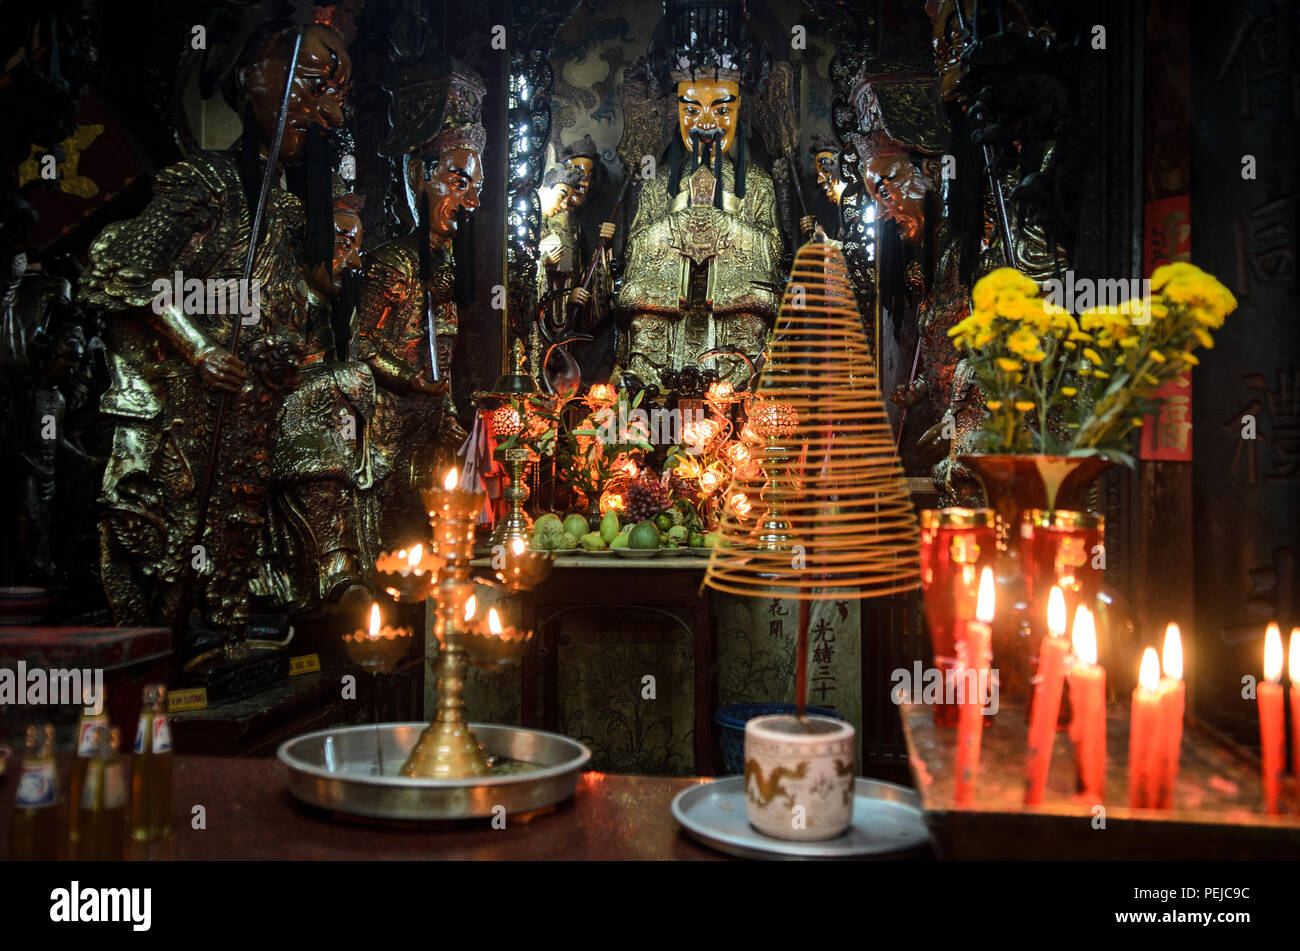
x=1272, y=728
x=1076, y=660
x=1156, y=725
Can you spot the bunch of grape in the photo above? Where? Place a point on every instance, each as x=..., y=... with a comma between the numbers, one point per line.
x=645, y=499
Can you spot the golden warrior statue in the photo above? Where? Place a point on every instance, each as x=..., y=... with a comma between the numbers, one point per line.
x=704, y=250
x=173, y=277
x=411, y=287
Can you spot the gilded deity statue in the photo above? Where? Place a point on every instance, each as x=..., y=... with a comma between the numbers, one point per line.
x=411, y=288
x=323, y=529
x=704, y=250
x=173, y=277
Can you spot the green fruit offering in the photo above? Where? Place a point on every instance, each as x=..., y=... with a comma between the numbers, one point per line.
x=563, y=541
x=644, y=536
x=620, y=541
x=609, y=526
x=576, y=525
x=548, y=524
x=712, y=540
x=664, y=522
x=678, y=535
x=697, y=540
x=592, y=542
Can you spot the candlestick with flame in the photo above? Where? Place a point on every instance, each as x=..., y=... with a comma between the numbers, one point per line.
x=379, y=649
x=447, y=748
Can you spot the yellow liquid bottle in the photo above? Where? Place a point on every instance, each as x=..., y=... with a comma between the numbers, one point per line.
x=101, y=811
x=86, y=726
x=34, y=829
x=151, y=769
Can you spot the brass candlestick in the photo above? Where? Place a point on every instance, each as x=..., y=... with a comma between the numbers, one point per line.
x=516, y=524
x=447, y=748
x=775, y=422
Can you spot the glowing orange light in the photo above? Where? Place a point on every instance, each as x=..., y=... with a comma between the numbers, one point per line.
x=602, y=393
x=721, y=392
x=494, y=621
x=1172, y=659
x=374, y=620
x=1273, y=653
x=1149, y=672
x=413, y=559
x=1084, y=637
x=1056, y=612
x=1294, y=660
x=451, y=479
x=470, y=607
x=984, y=604
x=517, y=546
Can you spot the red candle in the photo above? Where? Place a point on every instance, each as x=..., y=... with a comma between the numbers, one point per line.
x=1293, y=668
x=973, y=655
x=1047, y=699
x=1173, y=698
x=1088, y=725
x=1272, y=732
x=1144, y=734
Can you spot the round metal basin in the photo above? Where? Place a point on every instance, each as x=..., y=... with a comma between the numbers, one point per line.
x=340, y=770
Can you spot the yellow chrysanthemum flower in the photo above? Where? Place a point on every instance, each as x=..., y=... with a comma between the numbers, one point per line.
x=994, y=405
x=1101, y=374
x=1025, y=406
x=1189, y=358
x=1069, y=391
x=1157, y=356
x=1006, y=363
x=1093, y=356
x=1204, y=337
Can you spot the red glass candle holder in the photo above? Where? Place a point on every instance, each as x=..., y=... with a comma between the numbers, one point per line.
x=1066, y=549
x=956, y=544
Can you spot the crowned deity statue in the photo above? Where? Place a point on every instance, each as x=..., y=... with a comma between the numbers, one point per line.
x=411, y=287
x=186, y=490
x=703, y=273
x=323, y=526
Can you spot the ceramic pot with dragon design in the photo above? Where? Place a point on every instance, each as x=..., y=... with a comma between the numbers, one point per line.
x=799, y=776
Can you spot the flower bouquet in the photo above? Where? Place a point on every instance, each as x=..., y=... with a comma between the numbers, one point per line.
x=1057, y=384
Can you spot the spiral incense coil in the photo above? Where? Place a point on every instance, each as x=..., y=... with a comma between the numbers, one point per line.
x=826, y=515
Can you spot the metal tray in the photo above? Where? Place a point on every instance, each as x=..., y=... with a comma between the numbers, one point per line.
x=339, y=770
x=887, y=823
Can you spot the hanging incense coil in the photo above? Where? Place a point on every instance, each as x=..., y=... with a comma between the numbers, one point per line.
x=827, y=515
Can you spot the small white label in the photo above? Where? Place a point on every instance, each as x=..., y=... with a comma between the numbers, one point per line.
x=86, y=739
x=141, y=730
x=36, y=786
x=162, y=735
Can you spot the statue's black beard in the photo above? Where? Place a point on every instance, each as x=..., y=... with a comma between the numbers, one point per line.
x=706, y=147
x=312, y=181
x=462, y=251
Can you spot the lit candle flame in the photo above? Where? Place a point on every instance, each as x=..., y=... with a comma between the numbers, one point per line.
x=470, y=607
x=451, y=479
x=517, y=546
x=494, y=621
x=374, y=619
x=1056, y=612
x=1084, y=637
x=1273, y=653
x=416, y=553
x=1294, y=661
x=984, y=604
x=1172, y=654
x=1149, y=672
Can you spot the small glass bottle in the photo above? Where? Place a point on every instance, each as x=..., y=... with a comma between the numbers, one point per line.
x=101, y=810
x=90, y=720
x=151, y=769
x=34, y=829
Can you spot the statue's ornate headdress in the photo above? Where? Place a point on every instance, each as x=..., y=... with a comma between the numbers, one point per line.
x=901, y=106
x=434, y=107
x=701, y=39
x=584, y=147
